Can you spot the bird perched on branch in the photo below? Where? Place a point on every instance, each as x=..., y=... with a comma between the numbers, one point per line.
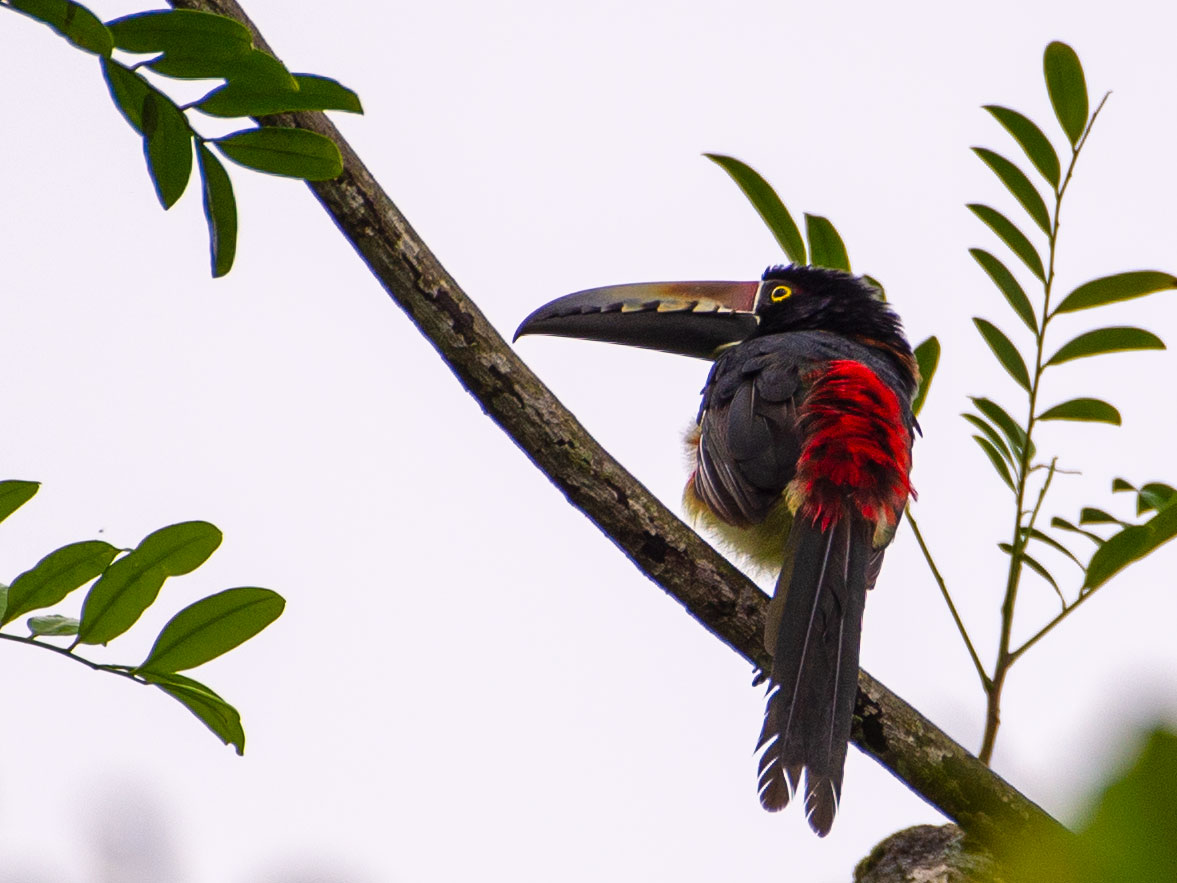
x=801, y=456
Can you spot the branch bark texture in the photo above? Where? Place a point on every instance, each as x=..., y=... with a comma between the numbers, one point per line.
x=712, y=590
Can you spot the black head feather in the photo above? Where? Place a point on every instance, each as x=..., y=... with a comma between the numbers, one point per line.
x=800, y=298
x=803, y=298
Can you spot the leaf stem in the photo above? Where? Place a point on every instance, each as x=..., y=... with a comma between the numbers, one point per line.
x=1041, y=633
x=121, y=670
x=919, y=537
x=1050, y=471
x=1020, y=537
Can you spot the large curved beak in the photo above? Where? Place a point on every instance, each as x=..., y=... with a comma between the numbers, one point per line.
x=697, y=319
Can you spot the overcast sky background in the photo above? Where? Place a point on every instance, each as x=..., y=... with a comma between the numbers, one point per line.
x=470, y=682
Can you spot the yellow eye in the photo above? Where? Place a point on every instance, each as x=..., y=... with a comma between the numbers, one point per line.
x=780, y=293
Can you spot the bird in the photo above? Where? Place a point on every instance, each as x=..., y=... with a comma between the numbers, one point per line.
x=800, y=461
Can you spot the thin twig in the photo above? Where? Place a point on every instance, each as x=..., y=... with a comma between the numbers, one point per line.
x=919, y=538
x=1041, y=495
x=1041, y=633
x=120, y=670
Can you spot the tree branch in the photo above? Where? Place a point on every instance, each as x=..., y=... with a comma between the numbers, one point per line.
x=712, y=590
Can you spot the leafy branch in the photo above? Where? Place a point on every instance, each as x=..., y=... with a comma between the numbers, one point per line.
x=195, y=45
x=1009, y=444
x=125, y=583
x=1129, y=544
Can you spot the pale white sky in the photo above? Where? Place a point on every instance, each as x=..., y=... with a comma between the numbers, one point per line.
x=469, y=681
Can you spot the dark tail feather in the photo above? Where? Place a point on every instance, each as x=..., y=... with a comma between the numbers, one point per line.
x=815, y=668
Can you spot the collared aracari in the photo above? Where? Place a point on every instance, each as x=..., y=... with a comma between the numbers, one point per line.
x=801, y=456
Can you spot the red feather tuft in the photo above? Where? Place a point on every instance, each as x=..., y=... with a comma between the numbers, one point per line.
x=857, y=449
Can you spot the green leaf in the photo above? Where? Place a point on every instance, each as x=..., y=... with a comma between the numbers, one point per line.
x=1120, y=484
x=255, y=69
x=826, y=248
x=1019, y=185
x=1091, y=515
x=1037, y=567
x=52, y=625
x=210, y=627
x=995, y=458
x=1155, y=496
x=258, y=70
x=1014, y=433
x=1011, y=236
x=1063, y=524
x=187, y=32
x=14, y=494
x=1130, y=545
x=168, y=147
x=1093, y=410
x=1128, y=833
x=212, y=711
x=1008, y=285
x=993, y=435
x=72, y=20
x=1035, y=534
x=220, y=210
x=238, y=99
x=3, y=599
x=129, y=91
x=1007, y=354
x=767, y=204
x=1031, y=139
x=1111, y=289
x=1106, y=340
x=167, y=143
x=1067, y=88
x=295, y=153
x=132, y=583
x=56, y=575
x=927, y=359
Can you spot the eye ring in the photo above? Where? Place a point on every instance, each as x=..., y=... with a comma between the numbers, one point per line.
x=780, y=293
